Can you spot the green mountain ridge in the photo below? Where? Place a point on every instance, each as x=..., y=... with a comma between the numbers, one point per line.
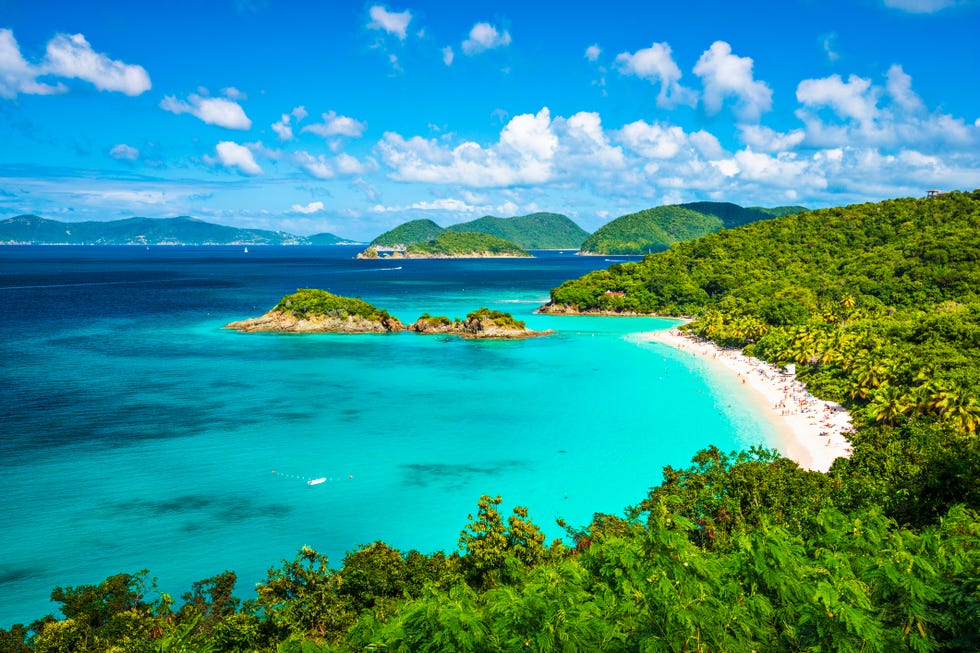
x=464, y=244
x=532, y=231
x=182, y=230
x=656, y=229
x=408, y=233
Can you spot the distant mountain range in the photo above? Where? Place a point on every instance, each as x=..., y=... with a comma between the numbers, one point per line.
x=648, y=231
x=34, y=230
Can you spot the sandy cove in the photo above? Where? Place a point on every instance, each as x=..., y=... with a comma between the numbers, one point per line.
x=814, y=431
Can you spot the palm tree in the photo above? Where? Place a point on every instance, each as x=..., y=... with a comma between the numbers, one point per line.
x=889, y=403
x=963, y=410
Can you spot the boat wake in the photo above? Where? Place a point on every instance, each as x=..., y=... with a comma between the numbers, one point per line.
x=524, y=301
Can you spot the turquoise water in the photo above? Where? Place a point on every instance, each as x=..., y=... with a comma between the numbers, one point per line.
x=140, y=434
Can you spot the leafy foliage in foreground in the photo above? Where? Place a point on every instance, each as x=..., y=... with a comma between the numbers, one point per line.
x=465, y=243
x=307, y=302
x=823, y=581
x=737, y=552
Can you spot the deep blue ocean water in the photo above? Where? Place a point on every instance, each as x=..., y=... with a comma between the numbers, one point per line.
x=136, y=433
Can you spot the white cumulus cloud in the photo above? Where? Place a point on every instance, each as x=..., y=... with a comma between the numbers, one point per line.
x=71, y=56
x=124, y=152
x=726, y=75
x=850, y=99
x=336, y=125
x=523, y=155
x=656, y=64
x=592, y=52
x=484, y=36
x=392, y=22
x=899, y=88
x=233, y=155
x=448, y=55
x=213, y=111
x=318, y=166
x=16, y=74
x=283, y=128
x=768, y=140
x=312, y=207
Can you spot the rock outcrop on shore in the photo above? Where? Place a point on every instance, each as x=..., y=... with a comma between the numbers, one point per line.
x=482, y=323
x=283, y=322
x=310, y=310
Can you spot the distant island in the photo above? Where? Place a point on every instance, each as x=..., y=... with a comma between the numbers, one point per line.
x=182, y=230
x=645, y=232
x=451, y=244
x=656, y=229
x=311, y=310
x=533, y=231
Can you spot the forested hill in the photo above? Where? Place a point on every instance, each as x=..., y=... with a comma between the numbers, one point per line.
x=183, y=230
x=898, y=252
x=533, y=231
x=464, y=244
x=408, y=233
x=654, y=230
x=876, y=304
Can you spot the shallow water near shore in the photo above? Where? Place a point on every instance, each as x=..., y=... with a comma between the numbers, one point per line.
x=137, y=433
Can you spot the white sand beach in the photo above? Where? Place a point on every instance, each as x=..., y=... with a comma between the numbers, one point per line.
x=814, y=431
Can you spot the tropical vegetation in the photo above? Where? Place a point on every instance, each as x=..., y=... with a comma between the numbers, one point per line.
x=656, y=229
x=407, y=233
x=533, y=231
x=877, y=306
x=307, y=302
x=464, y=243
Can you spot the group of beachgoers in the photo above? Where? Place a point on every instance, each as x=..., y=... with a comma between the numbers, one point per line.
x=817, y=429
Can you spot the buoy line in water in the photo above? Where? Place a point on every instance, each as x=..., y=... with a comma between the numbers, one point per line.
x=312, y=481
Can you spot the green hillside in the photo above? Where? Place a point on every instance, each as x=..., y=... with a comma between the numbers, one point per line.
x=780, y=211
x=31, y=229
x=464, y=243
x=408, y=233
x=655, y=230
x=533, y=231
x=878, y=305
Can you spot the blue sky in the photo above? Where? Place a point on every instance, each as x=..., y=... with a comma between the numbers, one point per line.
x=353, y=117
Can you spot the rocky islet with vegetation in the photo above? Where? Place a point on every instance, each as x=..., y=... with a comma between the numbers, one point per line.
x=310, y=310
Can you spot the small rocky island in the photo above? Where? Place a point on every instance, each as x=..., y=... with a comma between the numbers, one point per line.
x=310, y=310
x=450, y=244
x=481, y=323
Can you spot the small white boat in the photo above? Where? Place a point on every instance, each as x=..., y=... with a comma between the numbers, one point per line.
x=317, y=481
x=246, y=250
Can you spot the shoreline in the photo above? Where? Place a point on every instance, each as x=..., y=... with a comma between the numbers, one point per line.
x=812, y=431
